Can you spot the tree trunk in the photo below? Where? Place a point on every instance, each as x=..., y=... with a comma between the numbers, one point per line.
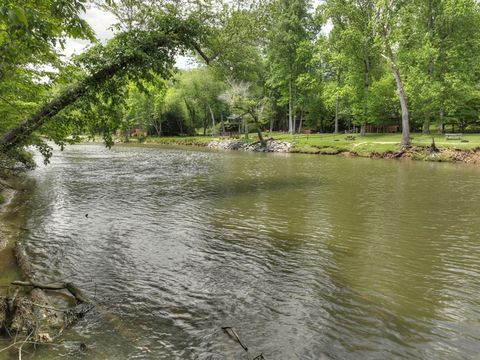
x=127, y=137
x=259, y=131
x=426, y=122
x=290, y=107
x=301, y=122
x=441, y=125
x=148, y=110
x=271, y=124
x=403, y=103
x=337, y=105
x=191, y=111
x=401, y=95
x=426, y=126
x=213, y=120
x=223, y=124
x=366, y=86
x=19, y=134
x=363, y=129
x=159, y=125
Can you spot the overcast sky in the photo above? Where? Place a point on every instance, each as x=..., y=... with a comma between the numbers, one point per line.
x=101, y=22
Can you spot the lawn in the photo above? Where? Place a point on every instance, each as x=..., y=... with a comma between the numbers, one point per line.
x=336, y=143
x=371, y=143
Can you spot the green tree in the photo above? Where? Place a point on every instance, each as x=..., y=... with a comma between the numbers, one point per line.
x=288, y=30
x=247, y=101
x=129, y=56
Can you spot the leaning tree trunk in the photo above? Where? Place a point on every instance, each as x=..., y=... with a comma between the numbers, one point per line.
x=214, y=131
x=259, y=132
x=19, y=134
x=256, y=119
x=402, y=97
x=403, y=103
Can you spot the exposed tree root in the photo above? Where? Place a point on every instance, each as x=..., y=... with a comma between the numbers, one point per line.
x=29, y=317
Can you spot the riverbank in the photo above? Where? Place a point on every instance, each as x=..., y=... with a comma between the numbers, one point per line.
x=30, y=312
x=465, y=149
x=8, y=231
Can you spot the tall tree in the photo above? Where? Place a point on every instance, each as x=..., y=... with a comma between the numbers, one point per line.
x=388, y=18
x=288, y=29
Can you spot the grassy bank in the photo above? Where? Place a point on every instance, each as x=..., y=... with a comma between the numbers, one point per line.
x=370, y=145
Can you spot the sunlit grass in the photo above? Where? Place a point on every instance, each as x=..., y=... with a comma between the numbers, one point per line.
x=367, y=145
x=378, y=143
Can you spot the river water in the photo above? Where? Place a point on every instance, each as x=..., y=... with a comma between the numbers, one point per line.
x=306, y=257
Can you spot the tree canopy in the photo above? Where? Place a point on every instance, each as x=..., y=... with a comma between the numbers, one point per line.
x=342, y=65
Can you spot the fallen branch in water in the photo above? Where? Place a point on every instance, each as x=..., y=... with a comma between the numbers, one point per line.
x=6, y=185
x=230, y=331
x=29, y=317
x=72, y=289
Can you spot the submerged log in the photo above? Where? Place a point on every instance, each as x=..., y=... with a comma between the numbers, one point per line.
x=72, y=289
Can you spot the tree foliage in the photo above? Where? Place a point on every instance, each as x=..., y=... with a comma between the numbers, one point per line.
x=352, y=65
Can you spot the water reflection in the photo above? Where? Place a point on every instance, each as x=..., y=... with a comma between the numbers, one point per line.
x=307, y=257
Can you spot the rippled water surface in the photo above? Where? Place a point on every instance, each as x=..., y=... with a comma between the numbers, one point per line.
x=307, y=257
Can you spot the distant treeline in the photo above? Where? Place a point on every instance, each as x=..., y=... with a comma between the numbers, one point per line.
x=333, y=66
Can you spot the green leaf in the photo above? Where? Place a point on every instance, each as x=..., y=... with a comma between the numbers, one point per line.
x=21, y=16
x=18, y=16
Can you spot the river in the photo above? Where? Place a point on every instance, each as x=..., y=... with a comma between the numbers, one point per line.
x=307, y=257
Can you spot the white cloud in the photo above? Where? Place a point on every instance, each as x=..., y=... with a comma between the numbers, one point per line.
x=186, y=62
x=101, y=22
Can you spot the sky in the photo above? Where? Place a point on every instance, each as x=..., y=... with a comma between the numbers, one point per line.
x=101, y=22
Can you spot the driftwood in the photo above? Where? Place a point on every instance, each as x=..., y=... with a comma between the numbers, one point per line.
x=72, y=289
x=230, y=331
x=28, y=316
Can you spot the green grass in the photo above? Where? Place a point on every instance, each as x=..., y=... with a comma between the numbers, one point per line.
x=374, y=143
x=180, y=140
x=331, y=144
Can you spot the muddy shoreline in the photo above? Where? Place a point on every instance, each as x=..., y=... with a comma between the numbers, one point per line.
x=31, y=312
